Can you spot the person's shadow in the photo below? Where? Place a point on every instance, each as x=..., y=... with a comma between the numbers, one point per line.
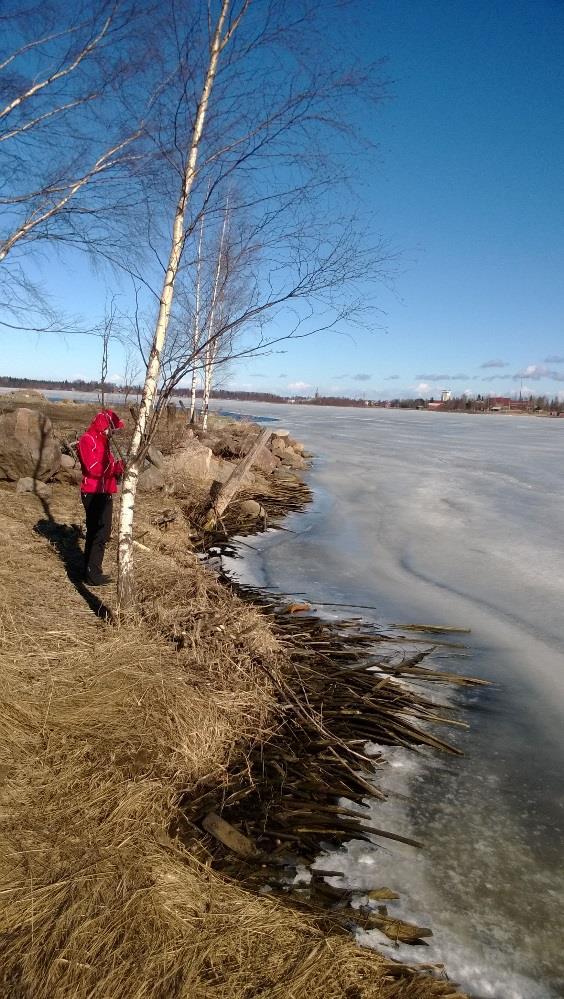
x=65, y=540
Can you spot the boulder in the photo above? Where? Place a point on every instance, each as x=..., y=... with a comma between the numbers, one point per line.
x=67, y=462
x=252, y=509
x=227, y=446
x=155, y=457
x=220, y=470
x=280, y=434
x=28, y=447
x=27, y=395
x=278, y=447
x=35, y=486
x=193, y=460
x=293, y=460
x=265, y=461
x=196, y=461
x=151, y=479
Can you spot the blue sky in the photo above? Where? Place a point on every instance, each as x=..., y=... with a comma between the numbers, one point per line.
x=465, y=182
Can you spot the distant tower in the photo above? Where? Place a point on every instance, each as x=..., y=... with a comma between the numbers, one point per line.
x=446, y=395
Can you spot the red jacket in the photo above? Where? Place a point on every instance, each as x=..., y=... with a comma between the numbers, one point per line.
x=99, y=467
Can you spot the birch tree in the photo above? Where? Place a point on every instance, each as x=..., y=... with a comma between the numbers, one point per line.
x=251, y=105
x=223, y=31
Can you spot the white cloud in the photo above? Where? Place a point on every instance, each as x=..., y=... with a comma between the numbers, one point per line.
x=443, y=378
x=537, y=371
x=423, y=388
x=299, y=386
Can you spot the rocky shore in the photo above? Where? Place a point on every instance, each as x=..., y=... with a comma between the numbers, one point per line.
x=156, y=775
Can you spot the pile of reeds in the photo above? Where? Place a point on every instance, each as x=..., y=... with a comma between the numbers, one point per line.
x=308, y=784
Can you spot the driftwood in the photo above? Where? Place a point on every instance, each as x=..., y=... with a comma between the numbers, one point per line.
x=225, y=833
x=229, y=489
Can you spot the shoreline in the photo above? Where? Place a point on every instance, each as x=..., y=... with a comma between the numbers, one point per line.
x=183, y=583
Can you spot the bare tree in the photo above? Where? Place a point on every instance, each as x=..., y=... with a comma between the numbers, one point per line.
x=226, y=24
x=247, y=102
x=131, y=373
x=109, y=330
x=67, y=135
x=216, y=315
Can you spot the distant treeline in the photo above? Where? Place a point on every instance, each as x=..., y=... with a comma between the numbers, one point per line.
x=478, y=404
x=78, y=385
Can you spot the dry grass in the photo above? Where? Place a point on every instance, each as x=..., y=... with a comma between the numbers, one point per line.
x=103, y=730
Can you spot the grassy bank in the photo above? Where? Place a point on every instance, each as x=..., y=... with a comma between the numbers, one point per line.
x=106, y=730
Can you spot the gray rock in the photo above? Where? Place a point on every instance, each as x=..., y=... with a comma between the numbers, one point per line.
x=293, y=460
x=251, y=508
x=155, y=457
x=67, y=462
x=227, y=446
x=151, y=480
x=28, y=447
x=26, y=395
x=35, y=486
x=265, y=461
x=278, y=447
x=220, y=469
x=193, y=460
x=280, y=433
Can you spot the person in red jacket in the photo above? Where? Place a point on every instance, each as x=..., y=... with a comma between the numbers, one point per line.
x=100, y=472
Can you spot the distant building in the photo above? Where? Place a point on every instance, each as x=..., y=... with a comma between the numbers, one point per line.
x=446, y=395
x=503, y=403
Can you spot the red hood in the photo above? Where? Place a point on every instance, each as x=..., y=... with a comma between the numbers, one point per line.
x=104, y=420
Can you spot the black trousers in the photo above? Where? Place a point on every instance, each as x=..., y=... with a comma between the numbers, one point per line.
x=98, y=508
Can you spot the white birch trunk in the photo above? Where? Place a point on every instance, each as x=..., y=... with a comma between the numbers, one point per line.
x=193, y=398
x=131, y=477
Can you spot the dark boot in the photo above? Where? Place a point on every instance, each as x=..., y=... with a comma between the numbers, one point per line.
x=92, y=580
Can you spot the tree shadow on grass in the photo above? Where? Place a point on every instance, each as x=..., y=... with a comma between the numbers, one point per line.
x=65, y=539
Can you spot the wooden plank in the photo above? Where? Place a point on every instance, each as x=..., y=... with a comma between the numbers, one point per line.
x=229, y=836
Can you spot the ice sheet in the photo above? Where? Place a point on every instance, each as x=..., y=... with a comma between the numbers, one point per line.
x=457, y=520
